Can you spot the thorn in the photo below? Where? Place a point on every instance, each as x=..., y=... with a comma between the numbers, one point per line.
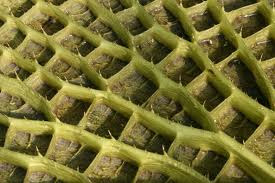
x=109, y=3
x=241, y=32
x=210, y=41
x=204, y=104
x=10, y=10
x=223, y=5
x=111, y=135
x=66, y=79
x=99, y=72
x=78, y=52
x=8, y=45
x=164, y=152
x=180, y=80
x=151, y=60
x=38, y=152
x=43, y=31
x=17, y=77
x=261, y=57
x=181, y=3
x=34, y=57
x=97, y=32
x=36, y=61
x=13, y=171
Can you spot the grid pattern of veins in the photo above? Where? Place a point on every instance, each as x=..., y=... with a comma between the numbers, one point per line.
x=137, y=90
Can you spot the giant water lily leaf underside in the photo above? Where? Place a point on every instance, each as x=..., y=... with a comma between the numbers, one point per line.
x=143, y=91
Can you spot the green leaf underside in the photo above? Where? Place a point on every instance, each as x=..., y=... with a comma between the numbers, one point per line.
x=143, y=91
